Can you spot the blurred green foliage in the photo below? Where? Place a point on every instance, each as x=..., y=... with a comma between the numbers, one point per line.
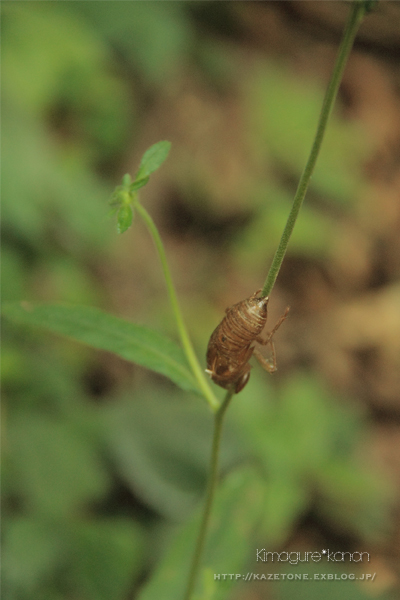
x=284, y=112
x=153, y=36
x=297, y=448
x=56, y=69
x=65, y=112
x=76, y=80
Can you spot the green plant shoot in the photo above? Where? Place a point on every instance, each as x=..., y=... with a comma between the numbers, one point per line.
x=125, y=195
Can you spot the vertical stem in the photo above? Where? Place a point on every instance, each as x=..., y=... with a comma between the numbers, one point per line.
x=211, y=486
x=358, y=10
x=186, y=342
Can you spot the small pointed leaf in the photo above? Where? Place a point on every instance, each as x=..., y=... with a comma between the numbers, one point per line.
x=138, y=184
x=152, y=159
x=126, y=180
x=125, y=218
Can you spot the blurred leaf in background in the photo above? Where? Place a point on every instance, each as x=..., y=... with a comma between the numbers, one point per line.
x=160, y=445
x=237, y=512
x=153, y=36
x=300, y=456
x=67, y=117
x=283, y=111
x=58, y=559
x=306, y=445
x=64, y=113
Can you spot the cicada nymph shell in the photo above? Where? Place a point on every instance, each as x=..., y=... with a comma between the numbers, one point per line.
x=231, y=344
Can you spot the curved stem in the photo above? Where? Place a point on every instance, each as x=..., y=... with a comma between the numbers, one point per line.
x=211, y=485
x=186, y=342
x=356, y=15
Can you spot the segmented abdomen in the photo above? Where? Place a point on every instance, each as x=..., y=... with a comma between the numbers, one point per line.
x=242, y=324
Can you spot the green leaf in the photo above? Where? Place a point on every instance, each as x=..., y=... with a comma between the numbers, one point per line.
x=238, y=509
x=125, y=218
x=126, y=180
x=308, y=442
x=99, y=558
x=152, y=159
x=55, y=469
x=138, y=184
x=98, y=329
x=108, y=554
x=160, y=446
x=24, y=570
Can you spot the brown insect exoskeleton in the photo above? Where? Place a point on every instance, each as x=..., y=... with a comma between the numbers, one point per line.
x=231, y=344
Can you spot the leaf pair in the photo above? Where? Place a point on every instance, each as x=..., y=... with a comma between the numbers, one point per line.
x=125, y=195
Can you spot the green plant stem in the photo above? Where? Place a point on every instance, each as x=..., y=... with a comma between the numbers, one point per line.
x=357, y=13
x=211, y=486
x=186, y=343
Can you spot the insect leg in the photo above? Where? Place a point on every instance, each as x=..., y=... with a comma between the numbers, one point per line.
x=267, y=364
x=270, y=335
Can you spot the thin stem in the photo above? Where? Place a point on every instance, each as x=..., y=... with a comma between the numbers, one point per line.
x=211, y=486
x=186, y=342
x=356, y=15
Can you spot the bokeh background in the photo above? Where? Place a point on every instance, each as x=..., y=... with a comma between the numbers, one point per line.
x=104, y=461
